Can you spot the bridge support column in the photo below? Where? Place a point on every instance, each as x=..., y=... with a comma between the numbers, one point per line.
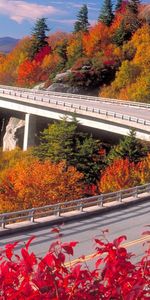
x=29, y=131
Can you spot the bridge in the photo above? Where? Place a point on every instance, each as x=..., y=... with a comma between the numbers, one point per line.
x=109, y=115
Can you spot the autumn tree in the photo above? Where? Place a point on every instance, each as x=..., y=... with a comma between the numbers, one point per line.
x=143, y=170
x=31, y=183
x=63, y=141
x=129, y=23
x=74, y=49
x=106, y=15
x=39, y=37
x=28, y=73
x=132, y=78
x=96, y=41
x=134, y=6
x=82, y=23
x=119, y=175
x=9, y=66
x=8, y=159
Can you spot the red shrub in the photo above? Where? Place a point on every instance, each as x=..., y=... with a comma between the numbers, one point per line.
x=115, y=276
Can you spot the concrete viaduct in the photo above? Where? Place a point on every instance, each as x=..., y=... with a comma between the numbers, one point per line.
x=110, y=115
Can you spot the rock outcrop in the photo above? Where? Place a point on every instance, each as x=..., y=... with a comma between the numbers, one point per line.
x=62, y=85
x=14, y=134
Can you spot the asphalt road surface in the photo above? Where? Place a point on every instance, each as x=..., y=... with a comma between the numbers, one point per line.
x=138, y=112
x=130, y=221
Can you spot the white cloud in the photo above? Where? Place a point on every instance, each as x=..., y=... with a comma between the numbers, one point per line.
x=62, y=21
x=19, y=11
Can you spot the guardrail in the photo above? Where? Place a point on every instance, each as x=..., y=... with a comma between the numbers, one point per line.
x=77, y=96
x=35, y=96
x=80, y=204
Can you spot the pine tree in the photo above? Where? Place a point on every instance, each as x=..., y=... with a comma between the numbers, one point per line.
x=118, y=4
x=106, y=15
x=39, y=37
x=129, y=147
x=82, y=23
x=121, y=34
x=62, y=141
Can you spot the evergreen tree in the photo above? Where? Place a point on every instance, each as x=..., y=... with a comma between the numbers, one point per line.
x=129, y=147
x=129, y=24
x=106, y=15
x=82, y=23
x=39, y=37
x=62, y=141
x=118, y=4
x=121, y=34
x=61, y=49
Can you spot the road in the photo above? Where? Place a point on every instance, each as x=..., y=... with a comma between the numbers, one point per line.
x=129, y=221
x=138, y=112
x=119, y=108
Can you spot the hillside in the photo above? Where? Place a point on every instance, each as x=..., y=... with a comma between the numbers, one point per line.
x=7, y=44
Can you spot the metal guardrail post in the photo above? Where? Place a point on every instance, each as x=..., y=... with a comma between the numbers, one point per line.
x=136, y=192
x=3, y=222
x=31, y=215
x=57, y=211
x=81, y=207
x=100, y=201
x=147, y=189
x=120, y=196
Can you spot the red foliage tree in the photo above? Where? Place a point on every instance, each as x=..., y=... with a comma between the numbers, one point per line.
x=41, y=55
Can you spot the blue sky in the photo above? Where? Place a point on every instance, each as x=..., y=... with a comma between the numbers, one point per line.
x=18, y=16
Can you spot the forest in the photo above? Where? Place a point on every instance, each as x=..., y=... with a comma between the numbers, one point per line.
x=69, y=164
x=113, y=55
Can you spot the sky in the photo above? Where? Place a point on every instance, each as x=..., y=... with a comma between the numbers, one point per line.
x=17, y=17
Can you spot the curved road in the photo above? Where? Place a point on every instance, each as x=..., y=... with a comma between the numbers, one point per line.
x=120, y=108
x=129, y=221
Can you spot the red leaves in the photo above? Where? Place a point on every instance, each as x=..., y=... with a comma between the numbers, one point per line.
x=68, y=247
x=29, y=242
x=10, y=249
x=43, y=52
x=115, y=277
x=55, y=230
x=119, y=240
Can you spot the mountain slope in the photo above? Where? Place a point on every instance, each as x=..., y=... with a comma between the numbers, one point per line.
x=7, y=44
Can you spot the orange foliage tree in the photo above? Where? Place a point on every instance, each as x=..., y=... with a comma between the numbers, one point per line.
x=119, y=175
x=143, y=170
x=9, y=65
x=28, y=73
x=32, y=183
x=8, y=159
x=96, y=40
x=132, y=80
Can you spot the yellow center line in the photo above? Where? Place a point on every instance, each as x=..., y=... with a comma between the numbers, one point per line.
x=93, y=255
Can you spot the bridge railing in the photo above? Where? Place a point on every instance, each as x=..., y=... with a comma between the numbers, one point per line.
x=53, y=100
x=76, y=96
x=75, y=205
